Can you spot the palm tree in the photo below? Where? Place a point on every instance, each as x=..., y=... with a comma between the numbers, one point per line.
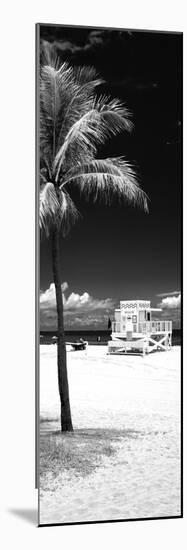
x=74, y=122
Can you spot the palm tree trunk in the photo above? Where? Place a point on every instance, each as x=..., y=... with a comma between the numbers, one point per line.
x=66, y=422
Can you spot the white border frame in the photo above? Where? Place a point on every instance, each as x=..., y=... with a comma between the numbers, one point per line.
x=17, y=269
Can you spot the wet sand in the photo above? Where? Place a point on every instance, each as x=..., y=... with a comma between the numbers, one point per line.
x=135, y=403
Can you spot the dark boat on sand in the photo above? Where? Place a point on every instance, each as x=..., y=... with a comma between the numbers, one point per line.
x=76, y=346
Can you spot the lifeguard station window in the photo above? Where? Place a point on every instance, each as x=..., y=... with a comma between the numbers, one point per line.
x=148, y=316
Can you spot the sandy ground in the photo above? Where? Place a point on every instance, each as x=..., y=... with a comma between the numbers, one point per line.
x=140, y=398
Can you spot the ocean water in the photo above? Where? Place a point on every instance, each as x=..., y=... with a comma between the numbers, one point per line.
x=94, y=337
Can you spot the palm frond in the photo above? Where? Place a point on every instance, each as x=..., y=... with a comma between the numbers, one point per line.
x=73, y=123
x=86, y=75
x=83, y=134
x=72, y=118
x=51, y=107
x=86, y=80
x=56, y=208
x=69, y=212
x=45, y=168
x=114, y=113
x=104, y=119
x=43, y=175
x=49, y=207
x=63, y=101
x=105, y=178
x=49, y=54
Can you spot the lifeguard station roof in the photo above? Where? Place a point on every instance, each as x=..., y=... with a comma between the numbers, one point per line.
x=135, y=304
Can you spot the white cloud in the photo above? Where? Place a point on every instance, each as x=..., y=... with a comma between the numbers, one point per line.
x=48, y=297
x=85, y=303
x=170, y=302
x=76, y=301
x=79, y=309
x=173, y=293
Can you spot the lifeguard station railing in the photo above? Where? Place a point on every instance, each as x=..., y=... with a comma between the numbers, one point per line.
x=144, y=328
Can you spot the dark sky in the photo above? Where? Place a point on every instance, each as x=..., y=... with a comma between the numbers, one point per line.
x=120, y=252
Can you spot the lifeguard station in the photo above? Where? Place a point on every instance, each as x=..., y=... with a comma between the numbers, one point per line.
x=135, y=331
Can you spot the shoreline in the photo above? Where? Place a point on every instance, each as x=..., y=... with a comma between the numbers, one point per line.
x=92, y=337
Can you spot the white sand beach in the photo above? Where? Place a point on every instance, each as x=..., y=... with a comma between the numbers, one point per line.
x=134, y=403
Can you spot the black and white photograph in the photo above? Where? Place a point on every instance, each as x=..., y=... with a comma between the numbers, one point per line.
x=109, y=187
